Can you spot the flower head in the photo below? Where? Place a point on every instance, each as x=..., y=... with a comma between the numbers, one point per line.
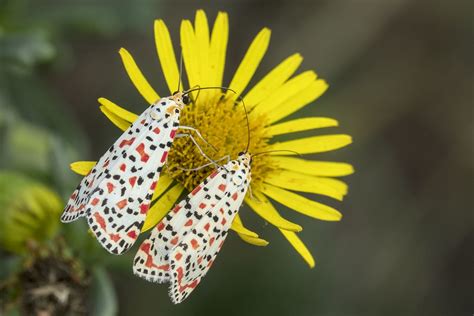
x=28, y=212
x=221, y=119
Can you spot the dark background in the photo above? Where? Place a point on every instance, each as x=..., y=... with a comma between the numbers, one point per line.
x=400, y=75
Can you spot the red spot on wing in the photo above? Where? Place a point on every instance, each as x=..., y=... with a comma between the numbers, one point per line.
x=160, y=226
x=222, y=187
x=199, y=260
x=177, y=208
x=121, y=204
x=153, y=186
x=173, y=134
x=110, y=187
x=206, y=227
x=145, y=247
x=235, y=196
x=141, y=151
x=211, y=241
x=178, y=256
x=126, y=142
x=194, y=243
x=174, y=241
x=164, y=267
x=143, y=122
x=123, y=167
x=132, y=234
x=74, y=195
x=156, y=130
x=189, y=222
x=100, y=220
x=95, y=201
x=202, y=205
x=214, y=174
x=132, y=181
x=196, y=190
x=106, y=163
x=144, y=208
x=115, y=237
x=165, y=155
x=223, y=221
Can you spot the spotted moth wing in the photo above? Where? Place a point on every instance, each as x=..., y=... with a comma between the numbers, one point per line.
x=117, y=209
x=194, y=255
x=152, y=259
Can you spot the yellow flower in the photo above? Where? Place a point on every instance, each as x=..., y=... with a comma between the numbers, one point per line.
x=221, y=120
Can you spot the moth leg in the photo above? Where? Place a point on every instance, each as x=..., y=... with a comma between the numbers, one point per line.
x=206, y=165
x=252, y=197
x=198, y=147
x=198, y=134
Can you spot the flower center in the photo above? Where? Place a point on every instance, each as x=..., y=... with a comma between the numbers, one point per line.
x=222, y=123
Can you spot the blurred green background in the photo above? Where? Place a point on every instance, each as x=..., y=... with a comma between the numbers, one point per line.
x=401, y=79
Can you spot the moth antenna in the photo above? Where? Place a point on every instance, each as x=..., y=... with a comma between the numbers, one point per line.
x=272, y=151
x=248, y=124
x=180, y=68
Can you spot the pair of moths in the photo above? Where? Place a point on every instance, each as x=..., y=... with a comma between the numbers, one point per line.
x=116, y=194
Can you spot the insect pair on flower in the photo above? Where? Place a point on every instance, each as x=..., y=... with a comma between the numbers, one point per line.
x=116, y=195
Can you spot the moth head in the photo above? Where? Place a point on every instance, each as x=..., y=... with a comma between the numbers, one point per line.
x=245, y=158
x=181, y=99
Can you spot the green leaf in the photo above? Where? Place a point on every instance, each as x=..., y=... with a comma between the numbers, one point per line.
x=25, y=49
x=104, y=300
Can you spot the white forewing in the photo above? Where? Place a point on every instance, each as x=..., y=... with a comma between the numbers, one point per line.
x=116, y=194
x=193, y=256
x=152, y=259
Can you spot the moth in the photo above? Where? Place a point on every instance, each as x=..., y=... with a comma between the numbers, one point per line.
x=116, y=194
x=182, y=247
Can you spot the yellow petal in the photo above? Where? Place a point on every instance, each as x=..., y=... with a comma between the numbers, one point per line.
x=162, y=206
x=305, y=183
x=265, y=209
x=302, y=124
x=118, y=110
x=291, y=89
x=301, y=204
x=300, y=247
x=254, y=241
x=273, y=80
x=137, y=77
x=315, y=168
x=238, y=227
x=217, y=50
x=296, y=102
x=166, y=54
x=163, y=183
x=118, y=121
x=82, y=167
x=249, y=64
x=311, y=145
x=201, y=29
x=190, y=54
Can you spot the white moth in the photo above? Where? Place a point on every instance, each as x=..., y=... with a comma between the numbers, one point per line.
x=182, y=247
